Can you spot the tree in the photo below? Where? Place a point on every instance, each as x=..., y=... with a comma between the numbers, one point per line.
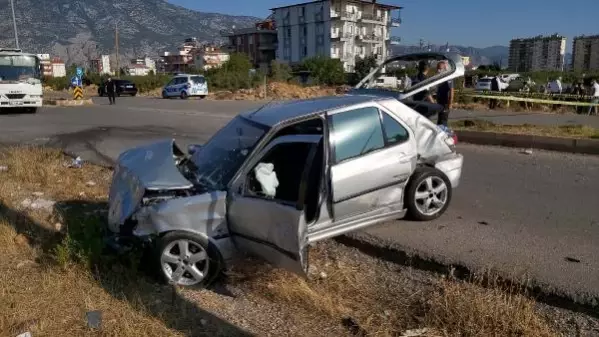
x=280, y=71
x=324, y=70
x=364, y=66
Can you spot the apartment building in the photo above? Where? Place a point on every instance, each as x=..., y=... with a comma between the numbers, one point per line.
x=342, y=29
x=537, y=53
x=180, y=60
x=101, y=65
x=259, y=43
x=585, y=53
x=210, y=57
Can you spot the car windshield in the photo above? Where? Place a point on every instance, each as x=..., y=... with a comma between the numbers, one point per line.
x=220, y=158
x=19, y=68
x=198, y=79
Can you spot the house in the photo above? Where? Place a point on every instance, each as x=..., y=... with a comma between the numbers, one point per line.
x=210, y=57
x=342, y=29
x=138, y=70
x=101, y=65
x=59, y=69
x=259, y=43
x=46, y=64
x=182, y=59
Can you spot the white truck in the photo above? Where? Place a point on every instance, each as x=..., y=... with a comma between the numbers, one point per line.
x=20, y=81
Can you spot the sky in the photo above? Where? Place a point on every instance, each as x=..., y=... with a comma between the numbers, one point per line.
x=476, y=23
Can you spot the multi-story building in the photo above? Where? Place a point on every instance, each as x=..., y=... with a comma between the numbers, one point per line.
x=585, y=53
x=342, y=29
x=259, y=43
x=101, y=65
x=180, y=60
x=537, y=53
x=46, y=64
x=210, y=57
x=145, y=61
x=59, y=69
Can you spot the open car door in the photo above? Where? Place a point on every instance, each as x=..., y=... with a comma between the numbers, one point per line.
x=269, y=221
x=455, y=69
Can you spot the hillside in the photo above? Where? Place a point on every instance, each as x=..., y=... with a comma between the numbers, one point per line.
x=78, y=30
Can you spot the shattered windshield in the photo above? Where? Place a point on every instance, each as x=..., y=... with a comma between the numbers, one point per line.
x=220, y=158
x=19, y=67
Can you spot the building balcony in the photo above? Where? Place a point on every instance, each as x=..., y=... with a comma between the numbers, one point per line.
x=343, y=15
x=394, y=40
x=341, y=35
x=371, y=18
x=371, y=38
x=394, y=22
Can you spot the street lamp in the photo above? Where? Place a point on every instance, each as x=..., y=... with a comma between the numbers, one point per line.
x=14, y=21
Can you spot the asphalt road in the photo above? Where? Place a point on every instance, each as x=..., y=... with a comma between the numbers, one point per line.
x=520, y=214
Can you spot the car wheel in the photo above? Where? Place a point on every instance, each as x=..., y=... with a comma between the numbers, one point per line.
x=133, y=95
x=184, y=95
x=187, y=259
x=428, y=194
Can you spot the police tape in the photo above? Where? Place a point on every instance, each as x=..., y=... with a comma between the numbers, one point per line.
x=532, y=100
x=530, y=94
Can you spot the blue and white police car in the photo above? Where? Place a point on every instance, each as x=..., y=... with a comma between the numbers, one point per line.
x=184, y=86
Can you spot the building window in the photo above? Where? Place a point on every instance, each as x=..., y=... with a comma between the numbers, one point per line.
x=320, y=40
x=302, y=11
x=288, y=31
x=305, y=30
x=304, y=51
x=286, y=53
x=251, y=39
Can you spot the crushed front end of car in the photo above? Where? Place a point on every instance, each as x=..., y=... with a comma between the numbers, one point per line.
x=153, y=192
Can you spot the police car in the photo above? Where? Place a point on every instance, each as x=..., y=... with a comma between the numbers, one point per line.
x=184, y=86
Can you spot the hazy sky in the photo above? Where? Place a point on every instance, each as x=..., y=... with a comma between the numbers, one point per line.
x=477, y=23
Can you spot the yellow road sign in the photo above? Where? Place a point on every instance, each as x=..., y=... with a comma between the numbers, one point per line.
x=78, y=93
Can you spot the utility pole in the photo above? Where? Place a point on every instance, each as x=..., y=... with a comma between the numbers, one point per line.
x=14, y=21
x=116, y=42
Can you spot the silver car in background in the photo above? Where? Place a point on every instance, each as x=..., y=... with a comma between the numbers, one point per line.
x=275, y=180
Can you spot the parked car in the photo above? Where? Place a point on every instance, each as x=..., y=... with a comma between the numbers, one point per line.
x=123, y=87
x=275, y=180
x=484, y=84
x=185, y=86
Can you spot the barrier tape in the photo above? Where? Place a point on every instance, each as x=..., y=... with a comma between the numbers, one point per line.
x=533, y=100
x=525, y=95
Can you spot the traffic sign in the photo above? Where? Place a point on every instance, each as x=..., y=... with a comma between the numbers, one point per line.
x=78, y=92
x=76, y=81
x=79, y=72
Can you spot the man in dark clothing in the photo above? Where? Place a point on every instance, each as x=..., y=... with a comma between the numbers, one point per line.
x=444, y=96
x=424, y=95
x=110, y=89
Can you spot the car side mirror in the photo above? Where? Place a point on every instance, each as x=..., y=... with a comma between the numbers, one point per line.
x=193, y=148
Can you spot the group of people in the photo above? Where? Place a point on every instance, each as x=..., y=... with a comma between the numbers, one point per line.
x=445, y=91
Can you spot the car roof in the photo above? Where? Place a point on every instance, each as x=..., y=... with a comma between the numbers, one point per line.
x=274, y=113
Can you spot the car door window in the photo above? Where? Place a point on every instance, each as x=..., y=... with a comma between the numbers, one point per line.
x=356, y=132
x=279, y=173
x=395, y=133
x=172, y=82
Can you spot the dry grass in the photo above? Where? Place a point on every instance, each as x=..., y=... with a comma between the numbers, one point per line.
x=566, y=131
x=50, y=279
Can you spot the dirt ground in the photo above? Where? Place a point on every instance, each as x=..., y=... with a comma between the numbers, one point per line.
x=55, y=278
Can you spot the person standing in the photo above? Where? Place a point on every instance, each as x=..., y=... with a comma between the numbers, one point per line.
x=595, y=97
x=424, y=95
x=495, y=88
x=445, y=93
x=110, y=89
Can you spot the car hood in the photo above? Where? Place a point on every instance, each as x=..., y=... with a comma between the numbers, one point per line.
x=151, y=167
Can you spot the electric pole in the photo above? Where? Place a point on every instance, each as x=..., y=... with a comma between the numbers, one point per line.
x=116, y=42
x=14, y=21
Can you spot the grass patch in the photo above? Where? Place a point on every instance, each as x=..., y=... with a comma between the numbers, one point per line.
x=53, y=270
x=566, y=131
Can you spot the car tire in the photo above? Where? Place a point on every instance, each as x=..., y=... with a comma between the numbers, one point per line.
x=168, y=258
x=184, y=95
x=133, y=95
x=427, y=187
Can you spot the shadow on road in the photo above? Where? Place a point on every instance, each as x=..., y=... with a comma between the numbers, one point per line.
x=391, y=253
x=120, y=276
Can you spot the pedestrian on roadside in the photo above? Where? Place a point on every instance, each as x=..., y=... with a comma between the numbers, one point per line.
x=445, y=94
x=424, y=95
x=494, y=88
x=110, y=89
x=595, y=97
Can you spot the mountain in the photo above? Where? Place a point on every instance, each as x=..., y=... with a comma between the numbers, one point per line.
x=479, y=56
x=79, y=30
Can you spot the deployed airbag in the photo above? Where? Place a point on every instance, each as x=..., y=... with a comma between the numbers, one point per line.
x=267, y=178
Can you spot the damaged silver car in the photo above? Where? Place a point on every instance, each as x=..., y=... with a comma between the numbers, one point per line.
x=275, y=180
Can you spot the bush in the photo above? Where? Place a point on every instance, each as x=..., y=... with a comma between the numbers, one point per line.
x=280, y=72
x=324, y=70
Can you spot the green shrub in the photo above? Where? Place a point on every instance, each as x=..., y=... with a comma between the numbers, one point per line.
x=324, y=70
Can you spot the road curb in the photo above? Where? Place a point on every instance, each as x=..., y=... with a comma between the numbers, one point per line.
x=585, y=146
x=68, y=102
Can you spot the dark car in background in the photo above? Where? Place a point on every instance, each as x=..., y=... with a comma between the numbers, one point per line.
x=123, y=87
